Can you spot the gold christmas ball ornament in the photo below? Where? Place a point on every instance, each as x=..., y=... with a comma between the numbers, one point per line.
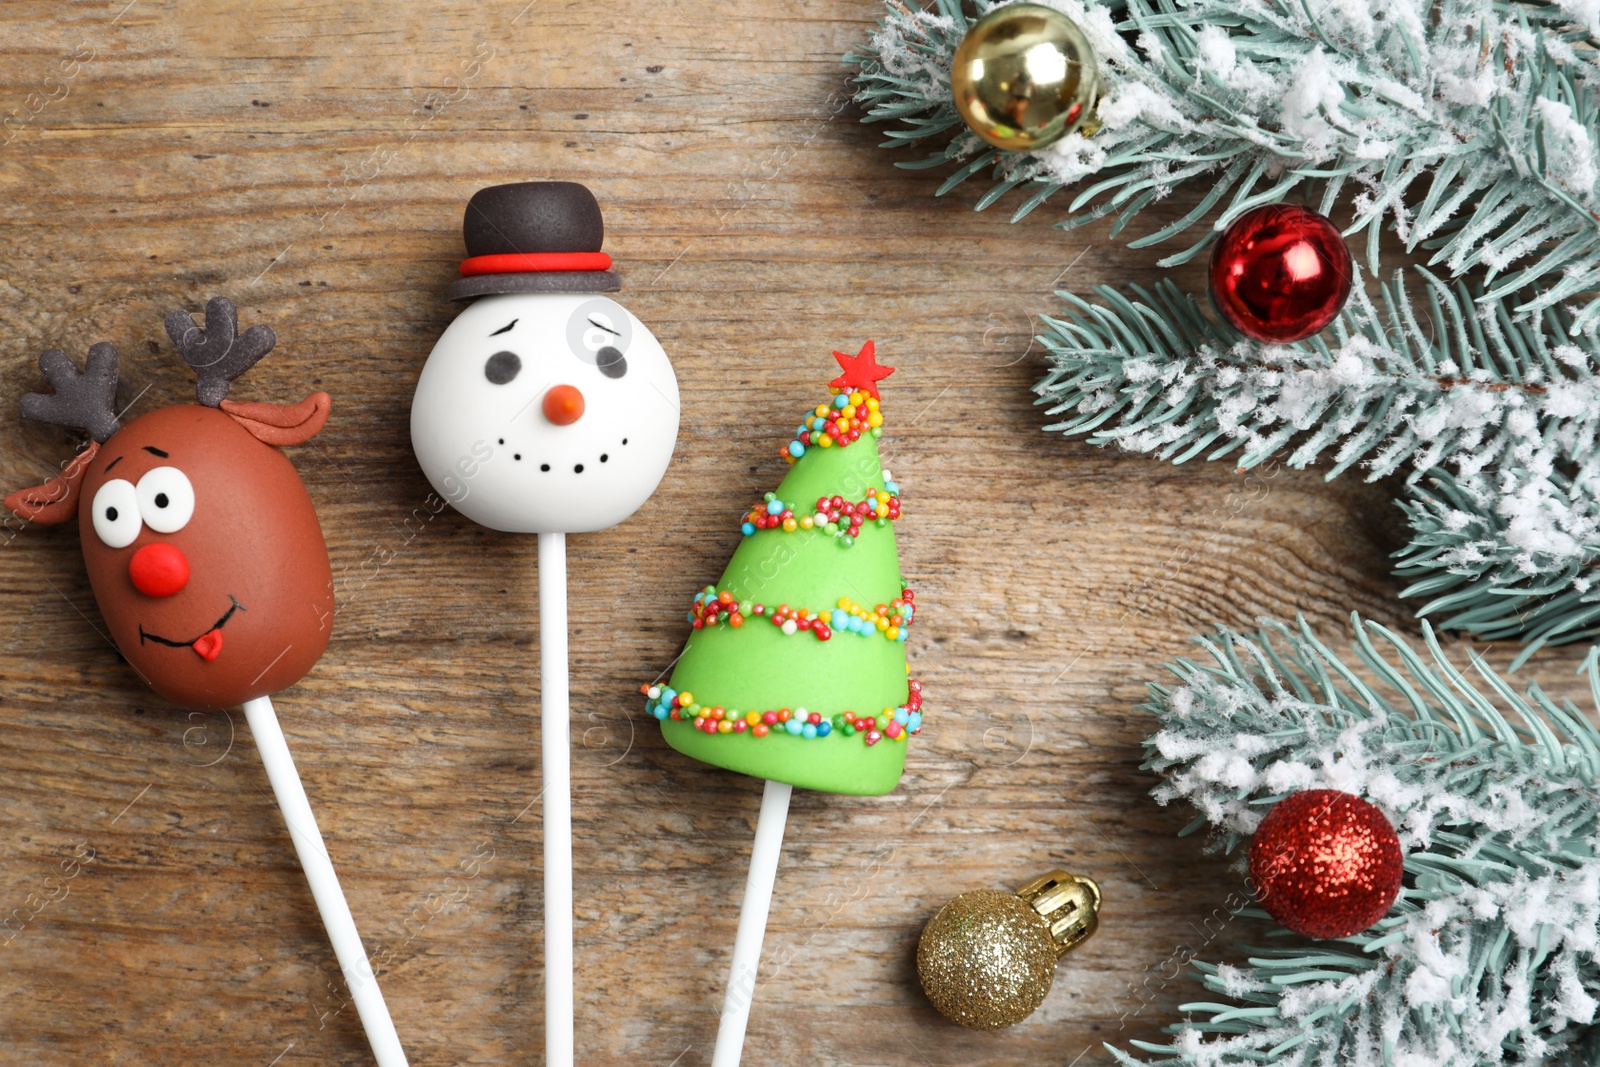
x=987, y=958
x=1024, y=77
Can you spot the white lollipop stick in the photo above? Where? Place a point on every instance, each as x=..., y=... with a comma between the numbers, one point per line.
x=341, y=927
x=556, y=760
x=752, y=924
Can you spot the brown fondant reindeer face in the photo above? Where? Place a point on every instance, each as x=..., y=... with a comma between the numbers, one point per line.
x=200, y=540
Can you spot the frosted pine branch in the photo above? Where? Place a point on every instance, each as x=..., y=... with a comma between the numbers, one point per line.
x=1493, y=424
x=1402, y=388
x=1491, y=954
x=1467, y=125
x=1506, y=554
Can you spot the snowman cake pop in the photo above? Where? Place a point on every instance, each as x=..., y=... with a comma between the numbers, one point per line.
x=546, y=407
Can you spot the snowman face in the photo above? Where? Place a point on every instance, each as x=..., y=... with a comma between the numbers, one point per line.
x=545, y=413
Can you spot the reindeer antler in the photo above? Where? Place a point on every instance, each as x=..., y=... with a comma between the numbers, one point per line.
x=84, y=400
x=216, y=353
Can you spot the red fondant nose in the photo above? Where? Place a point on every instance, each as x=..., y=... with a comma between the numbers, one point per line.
x=159, y=569
x=563, y=405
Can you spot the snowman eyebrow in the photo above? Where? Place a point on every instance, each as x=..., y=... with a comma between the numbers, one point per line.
x=504, y=328
x=603, y=326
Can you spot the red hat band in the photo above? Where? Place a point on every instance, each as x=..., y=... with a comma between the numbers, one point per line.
x=540, y=262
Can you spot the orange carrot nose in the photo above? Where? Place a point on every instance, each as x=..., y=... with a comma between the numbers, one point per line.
x=563, y=405
x=159, y=569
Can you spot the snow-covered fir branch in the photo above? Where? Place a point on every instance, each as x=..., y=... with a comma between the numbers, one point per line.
x=1463, y=125
x=1391, y=386
x=1494, y=422
x=1491, y=953
x=1506, y=554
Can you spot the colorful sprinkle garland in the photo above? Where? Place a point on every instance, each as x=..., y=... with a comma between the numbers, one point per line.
x=838, y=424
x=892, y=620
x=835, y=516
x=896, y=724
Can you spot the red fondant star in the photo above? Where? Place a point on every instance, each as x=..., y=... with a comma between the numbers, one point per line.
x=861, y=371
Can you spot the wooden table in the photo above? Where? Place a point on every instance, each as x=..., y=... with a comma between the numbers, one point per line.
x=311, y=161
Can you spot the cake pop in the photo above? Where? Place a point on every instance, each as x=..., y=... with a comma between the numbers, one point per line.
x=795, y=670
x=207, y=561
x=546, y=407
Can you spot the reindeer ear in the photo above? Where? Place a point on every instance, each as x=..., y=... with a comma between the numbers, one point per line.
x=55, y=501
x=281, y=424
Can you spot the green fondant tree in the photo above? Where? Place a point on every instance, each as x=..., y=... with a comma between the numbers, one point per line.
x=777, y=680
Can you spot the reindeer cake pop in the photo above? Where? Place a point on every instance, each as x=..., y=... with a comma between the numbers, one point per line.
x=545, y=408
x=207, y=561
x=201, y=544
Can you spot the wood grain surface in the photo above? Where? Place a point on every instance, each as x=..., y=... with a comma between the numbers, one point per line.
x=311, y=160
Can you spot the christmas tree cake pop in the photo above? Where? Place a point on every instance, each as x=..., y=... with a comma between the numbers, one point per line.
x=796, y=667
x=795, y=670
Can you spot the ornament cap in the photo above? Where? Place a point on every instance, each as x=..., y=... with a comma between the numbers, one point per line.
x=1068, y=903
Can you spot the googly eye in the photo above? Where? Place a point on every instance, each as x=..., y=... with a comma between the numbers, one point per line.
x=611, y=362
x=116, y=513
x=166, y=499
x=501, y=367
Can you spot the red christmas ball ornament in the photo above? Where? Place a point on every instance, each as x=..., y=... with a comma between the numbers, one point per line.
x=1280, y=273
x=1325, y=863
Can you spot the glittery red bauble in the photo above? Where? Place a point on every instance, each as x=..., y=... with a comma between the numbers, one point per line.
x=1280, y=272
x=1325, y=863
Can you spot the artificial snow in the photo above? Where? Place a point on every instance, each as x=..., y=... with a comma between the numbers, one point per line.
x=1569, y=150
x=1313, y=88
x=1513, y=421
x=1131, y=102
x=1071, y=158
x=1586, y=12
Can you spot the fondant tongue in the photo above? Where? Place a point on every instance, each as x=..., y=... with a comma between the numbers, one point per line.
x=207, y=646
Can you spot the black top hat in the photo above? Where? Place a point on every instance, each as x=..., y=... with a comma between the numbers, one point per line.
x=533, y=237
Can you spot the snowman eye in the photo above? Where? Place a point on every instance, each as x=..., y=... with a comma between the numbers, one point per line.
x=599, y=332
x=116, y=513
x=502, y=367
x=166, y=499
x=611, y=362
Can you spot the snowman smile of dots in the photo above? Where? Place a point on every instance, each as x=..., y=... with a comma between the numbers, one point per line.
x=545, y=406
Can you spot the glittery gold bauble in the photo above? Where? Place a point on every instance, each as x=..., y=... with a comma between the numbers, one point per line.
x=988, y=957
x=1024, y=76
